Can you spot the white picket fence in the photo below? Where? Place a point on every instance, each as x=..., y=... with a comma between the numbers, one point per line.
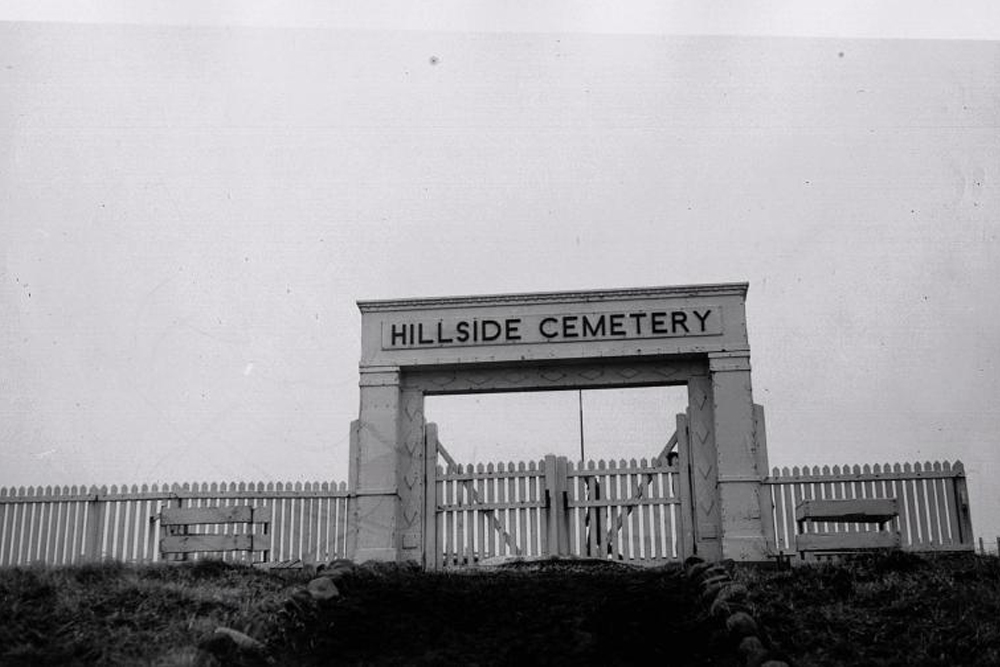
x=65, y=525
x=933, y=501
x=624, y=510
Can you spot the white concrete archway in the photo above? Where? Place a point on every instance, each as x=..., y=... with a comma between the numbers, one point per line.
x=690, y=335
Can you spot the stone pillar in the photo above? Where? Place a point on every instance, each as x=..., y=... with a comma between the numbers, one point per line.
x=374, y=475
x=739, y=477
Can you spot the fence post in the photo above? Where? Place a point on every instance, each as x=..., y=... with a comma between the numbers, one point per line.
x=562, y=479
x=551, y=495
x=686, y=544
x=962, y=506
x=95, y=527
x=351, y=524
x=430, y=497
x=557, y=513
x=764, y=491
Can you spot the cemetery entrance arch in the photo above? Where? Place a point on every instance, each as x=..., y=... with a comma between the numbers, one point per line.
x=689, y=335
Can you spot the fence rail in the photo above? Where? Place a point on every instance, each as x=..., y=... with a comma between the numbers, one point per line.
x=933, y=501
x=65, y=525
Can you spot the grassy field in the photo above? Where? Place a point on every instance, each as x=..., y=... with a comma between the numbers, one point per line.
x=896, y=610
x=124, y=615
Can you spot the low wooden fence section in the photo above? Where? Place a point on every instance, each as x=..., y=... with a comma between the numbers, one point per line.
x=621, y=510
x=66, y=525
x=933, y=501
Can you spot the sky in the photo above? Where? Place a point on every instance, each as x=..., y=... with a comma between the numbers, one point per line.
x=194, y=195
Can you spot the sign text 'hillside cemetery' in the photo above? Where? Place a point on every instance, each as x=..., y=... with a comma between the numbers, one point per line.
x=552, y=328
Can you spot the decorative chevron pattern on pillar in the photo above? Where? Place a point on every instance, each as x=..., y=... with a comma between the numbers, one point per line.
x=708, y=519
x=411, y=472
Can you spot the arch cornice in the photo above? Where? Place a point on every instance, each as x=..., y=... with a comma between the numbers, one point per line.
x=584, y=296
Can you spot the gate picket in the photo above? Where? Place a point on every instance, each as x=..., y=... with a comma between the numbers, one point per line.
x=538, y=528
x=514, y=549
x=522, y=513
x=449, y=517
x=487, y=540
x=645, y=510
x=656, y=515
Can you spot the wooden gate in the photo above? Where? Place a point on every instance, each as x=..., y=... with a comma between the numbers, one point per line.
x=633, y=511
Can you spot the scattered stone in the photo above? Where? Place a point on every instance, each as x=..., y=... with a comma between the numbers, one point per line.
x=323, y=589
x=722, y=609
x=241, y=639
x=754, y=652
x=338, y=568
x=759, y=659
x=712, y=591
x=716, y=571
x=732, y=593
x=187, y=656
x=387, y=568
x=717, y=579
x=751, y=646
x=692, y=561
x=300, y=601
x=696, y=570
x=741, y=624
x=232, y=647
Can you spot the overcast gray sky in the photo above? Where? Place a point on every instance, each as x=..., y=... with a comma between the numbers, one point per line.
x=193, y=196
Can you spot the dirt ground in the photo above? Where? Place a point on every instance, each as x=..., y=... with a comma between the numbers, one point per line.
x=529, y=615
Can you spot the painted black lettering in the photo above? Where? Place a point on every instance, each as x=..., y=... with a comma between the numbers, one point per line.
x=591, y=329
x=638, y=321
x=678, y=318
x=617, y=324
x=510, y=328
x=441, y=338
x=413, y=335
x=494, y=334
x=569, y=323
x=462, y=331
x=657, y=321
x=421, y=339
x=702, y=318
x=543, y=331
x=398, y=334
